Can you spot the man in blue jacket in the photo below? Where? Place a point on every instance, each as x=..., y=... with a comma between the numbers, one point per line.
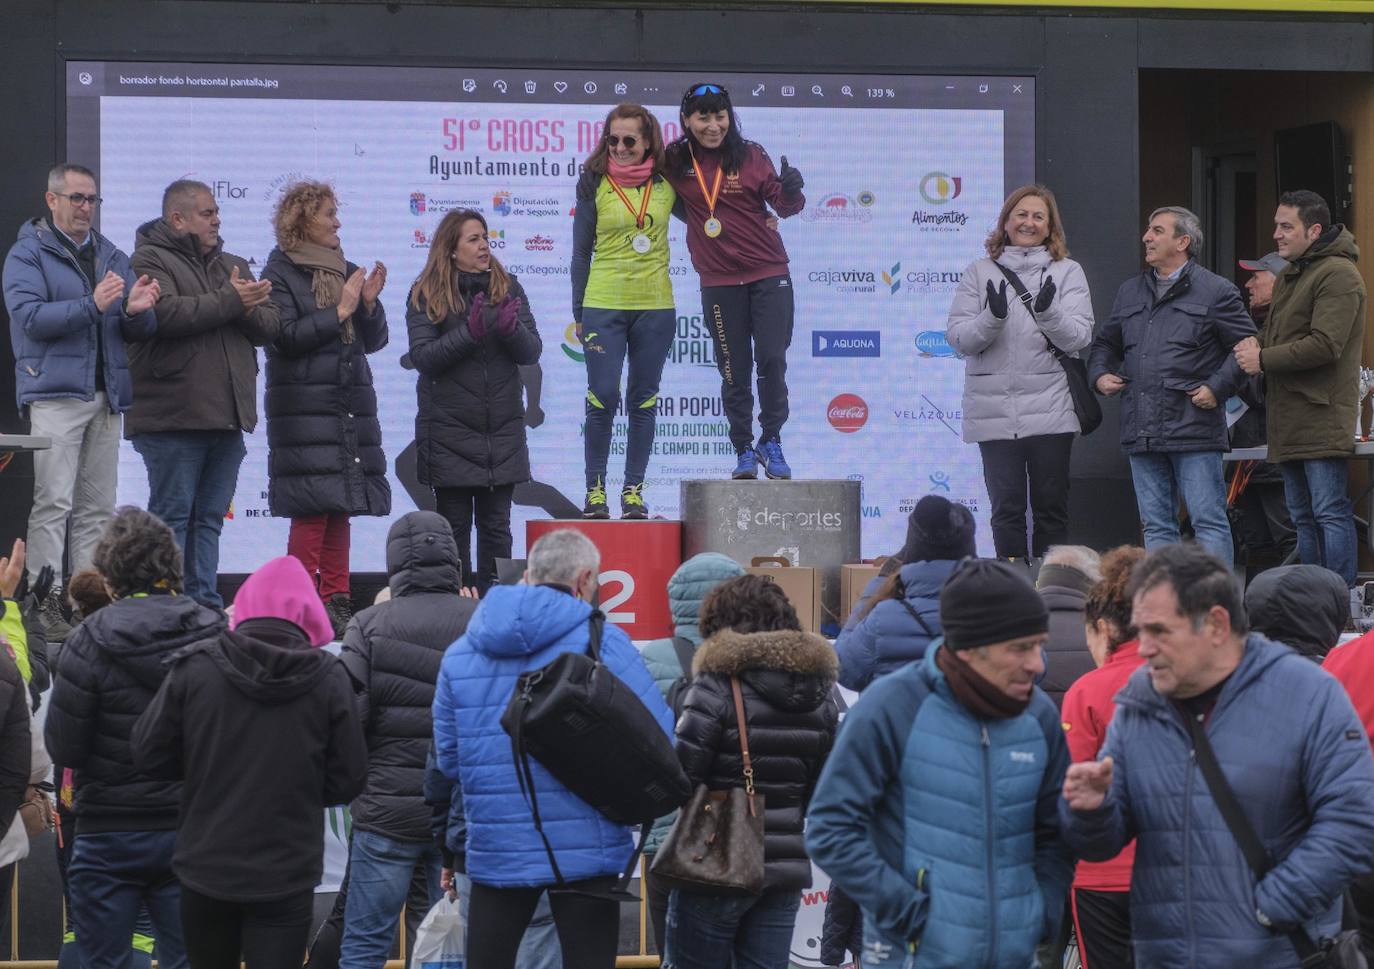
x=517, y=629
x=73, y=302
x=1167, y=349
x=1290, y=746
x=936, y=811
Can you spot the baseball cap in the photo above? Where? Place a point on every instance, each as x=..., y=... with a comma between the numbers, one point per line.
x=1271, y=262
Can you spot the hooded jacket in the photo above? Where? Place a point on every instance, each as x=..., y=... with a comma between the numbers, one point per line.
x=1311, y=343
x=392, y=651
x=54, y=320
x=942, y=825
x=1302, y=606
x=886, y=637
x=200, y=371
x=16, y=741
x=1013, y=385
x=1167, y=347
x=106, y=676
x=323, y=437
x=1294, y=752
x=518, y=628
x=261, y=729
x=786, y=679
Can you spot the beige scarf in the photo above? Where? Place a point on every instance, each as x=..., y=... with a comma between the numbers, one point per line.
x=327, y=267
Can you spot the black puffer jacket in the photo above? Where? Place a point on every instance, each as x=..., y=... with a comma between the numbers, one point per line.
x=470, y=421
x=393, y=650
x=1305, y=607
x=106, y=675
x=1067, y=658
x=786, y=679
x=323, y=437
x=16, y=747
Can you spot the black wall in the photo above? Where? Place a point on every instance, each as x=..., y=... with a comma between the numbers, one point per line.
x=1087, y=137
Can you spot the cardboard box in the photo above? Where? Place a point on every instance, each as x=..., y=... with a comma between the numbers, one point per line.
x=802, y=586
x=853, y=579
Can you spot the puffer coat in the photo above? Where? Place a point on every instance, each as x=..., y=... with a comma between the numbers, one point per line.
x=889, y=635
x=1013, y=385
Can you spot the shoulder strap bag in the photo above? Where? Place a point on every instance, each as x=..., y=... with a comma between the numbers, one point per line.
x=1342, y=952
x=1085, y=405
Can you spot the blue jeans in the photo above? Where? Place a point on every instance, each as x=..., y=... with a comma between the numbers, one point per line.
x=191, y=481
x=1159, y=479
x=540, y=948
x=379, y=870
x=708, y=931
x=1316, y=492
x=108, y=877
x=607, y=335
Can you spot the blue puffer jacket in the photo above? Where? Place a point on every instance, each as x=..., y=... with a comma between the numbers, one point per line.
x=53, y=320
x=941, y=825
x=519, y=628
x=888, y=636
x=1293, y=750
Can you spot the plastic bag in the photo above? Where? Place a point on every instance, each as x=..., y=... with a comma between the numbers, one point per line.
x=441, y=939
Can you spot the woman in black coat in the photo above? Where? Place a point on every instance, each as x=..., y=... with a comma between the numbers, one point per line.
x=786, y=679
x=470, y=330
x=325, y=461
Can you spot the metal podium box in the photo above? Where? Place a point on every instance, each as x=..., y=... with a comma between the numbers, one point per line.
x=810, y=523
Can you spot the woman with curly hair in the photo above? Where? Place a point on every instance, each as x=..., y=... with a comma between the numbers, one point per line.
x=325, y=461
x=1101, y=893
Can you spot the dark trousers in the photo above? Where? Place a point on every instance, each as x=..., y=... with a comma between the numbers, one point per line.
x=490, y=509
x=268, y=934
x=608, y=336
x=1102, y=921
x=658, y=894
x=1039, y=466
x=588, y=927
x=752, y=327
x=110, y=876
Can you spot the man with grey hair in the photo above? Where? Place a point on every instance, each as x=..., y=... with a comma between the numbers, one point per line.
x=195, y=382
x=1167, y=350
x=518, y=628
x=1066, y=575
x=73, y=301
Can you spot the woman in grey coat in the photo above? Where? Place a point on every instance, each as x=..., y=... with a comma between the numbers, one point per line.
x=1016, y=401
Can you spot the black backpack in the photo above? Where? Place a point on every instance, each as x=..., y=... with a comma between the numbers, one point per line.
x=588, y=730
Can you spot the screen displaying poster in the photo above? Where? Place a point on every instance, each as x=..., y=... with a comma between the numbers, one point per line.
x=904, y=179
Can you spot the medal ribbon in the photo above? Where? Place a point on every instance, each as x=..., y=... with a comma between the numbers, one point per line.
x=712, y=195
x=643, y=200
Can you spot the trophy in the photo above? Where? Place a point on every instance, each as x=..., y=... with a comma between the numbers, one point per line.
x=1366, y=385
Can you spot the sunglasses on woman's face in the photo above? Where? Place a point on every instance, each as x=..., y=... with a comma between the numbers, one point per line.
x=615, y=141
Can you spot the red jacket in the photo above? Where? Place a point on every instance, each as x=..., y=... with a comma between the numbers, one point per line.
x=1355, y=670
x=746, y=250
x=1088, y=708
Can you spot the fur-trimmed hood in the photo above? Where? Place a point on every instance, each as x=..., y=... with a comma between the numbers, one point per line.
x=793, y=670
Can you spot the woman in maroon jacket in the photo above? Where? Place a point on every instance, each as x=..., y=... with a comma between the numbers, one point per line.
x=727, y=186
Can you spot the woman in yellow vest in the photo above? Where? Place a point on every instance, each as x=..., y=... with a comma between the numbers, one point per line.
x=622, y=299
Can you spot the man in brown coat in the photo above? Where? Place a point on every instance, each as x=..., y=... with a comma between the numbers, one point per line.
x=1309, y=352
x=195, y=382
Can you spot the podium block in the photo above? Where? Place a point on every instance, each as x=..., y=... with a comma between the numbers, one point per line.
x=810, y=523
x=637, y=560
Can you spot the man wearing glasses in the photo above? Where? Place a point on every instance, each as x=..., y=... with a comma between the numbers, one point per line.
x=72, y=302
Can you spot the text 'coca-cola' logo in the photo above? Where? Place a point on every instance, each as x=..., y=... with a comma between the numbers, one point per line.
x=847, y=413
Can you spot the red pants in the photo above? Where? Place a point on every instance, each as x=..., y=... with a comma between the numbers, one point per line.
x=321, y=543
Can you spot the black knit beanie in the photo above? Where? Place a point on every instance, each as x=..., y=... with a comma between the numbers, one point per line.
x=987, y=601
x=938, y=529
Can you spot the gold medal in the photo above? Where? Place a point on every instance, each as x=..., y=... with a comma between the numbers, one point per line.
x=712, y=227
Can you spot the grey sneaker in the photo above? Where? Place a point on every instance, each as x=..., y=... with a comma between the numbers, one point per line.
x=53, y=615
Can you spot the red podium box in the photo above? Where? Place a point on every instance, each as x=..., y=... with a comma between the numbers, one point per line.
x=637, y=560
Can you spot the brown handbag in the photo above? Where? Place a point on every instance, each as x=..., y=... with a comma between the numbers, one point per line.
x=716, y=843
x=36, y=811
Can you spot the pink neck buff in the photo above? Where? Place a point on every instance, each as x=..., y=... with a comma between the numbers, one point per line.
x=630, y=175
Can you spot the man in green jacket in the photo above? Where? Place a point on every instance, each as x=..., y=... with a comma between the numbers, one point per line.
x=1309, y=352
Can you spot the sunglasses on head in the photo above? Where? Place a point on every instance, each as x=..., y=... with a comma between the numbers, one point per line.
x=615, y=141
x=704, y=89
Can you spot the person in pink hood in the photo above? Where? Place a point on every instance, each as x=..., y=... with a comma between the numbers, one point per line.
x=261, y=728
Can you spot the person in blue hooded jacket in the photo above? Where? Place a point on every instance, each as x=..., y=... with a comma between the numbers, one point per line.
x=937, y=810
x=898, y=616
x=1290, y=745
x=517, y=629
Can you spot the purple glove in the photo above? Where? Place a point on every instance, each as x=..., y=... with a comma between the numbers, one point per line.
x=508, y=316
x=477, y=320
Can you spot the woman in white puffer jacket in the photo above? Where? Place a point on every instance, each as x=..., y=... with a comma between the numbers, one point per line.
x=1016, y=403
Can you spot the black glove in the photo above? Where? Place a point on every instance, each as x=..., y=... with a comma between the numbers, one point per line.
x=1042, y=301
x=42, y=585
x=792, y=181
x=997, y=300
